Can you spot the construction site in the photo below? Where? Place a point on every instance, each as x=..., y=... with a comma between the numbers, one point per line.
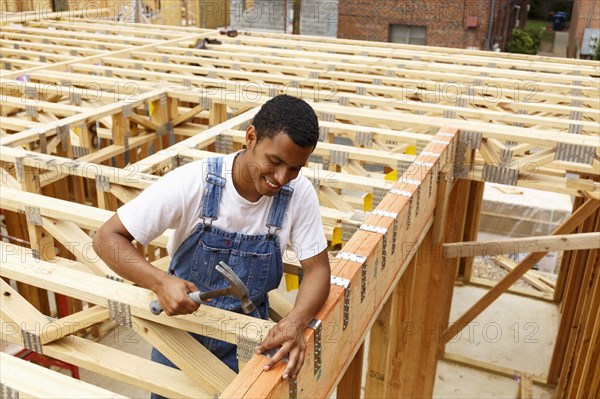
x=459, y=193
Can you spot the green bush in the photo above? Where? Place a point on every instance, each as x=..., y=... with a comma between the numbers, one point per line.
x=535, y=32
x=521, y=42
x=596, y=55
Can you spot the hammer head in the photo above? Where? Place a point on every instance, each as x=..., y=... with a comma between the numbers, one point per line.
x=238, y=288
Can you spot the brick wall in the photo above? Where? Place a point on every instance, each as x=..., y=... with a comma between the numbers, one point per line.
x=585, y=15
x=445, y=21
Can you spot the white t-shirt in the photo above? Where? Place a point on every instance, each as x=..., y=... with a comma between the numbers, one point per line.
x=173, y=202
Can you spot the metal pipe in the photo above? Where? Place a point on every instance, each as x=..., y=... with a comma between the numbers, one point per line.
x=490, y=25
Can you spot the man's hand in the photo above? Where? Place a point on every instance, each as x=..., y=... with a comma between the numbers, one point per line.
x=172, y=293
x=288, y=336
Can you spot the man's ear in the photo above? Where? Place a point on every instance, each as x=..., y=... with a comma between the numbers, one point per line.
x=250, y=137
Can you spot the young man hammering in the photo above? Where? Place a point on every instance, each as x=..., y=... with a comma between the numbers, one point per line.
x=243, y=208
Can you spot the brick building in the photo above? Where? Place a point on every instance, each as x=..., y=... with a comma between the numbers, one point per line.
x=317, y=17
x=476, y=24
x=586, y=15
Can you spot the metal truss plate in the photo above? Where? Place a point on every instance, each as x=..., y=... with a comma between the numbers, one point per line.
x=119, y=313
x=449, y=114
x=495, y=174
x=575, y=128
x=293, y=388
x=30, y=92
x=344, y=283
x=246, y=348
x=127, y=110
x=162, y=99
x=205, y=102
x=323, y=133
x=75, y=98
x=316, y=325
x=165, y=128
x=224, y=144
x=79, y=151
x=402, y=166
x=33, y=215
x=386, y=214
x=471, y=139
x=348, y=230
x=102, y=183
x=351, y=257
x=403, y=193
x=31, y=111
x=423, y=163
x=32, y=341
x=412, y=182
x=575, y=153
x=8, y=392
x=506, y=155
x=373, y=229
x=115, y=278
x=363, y=282
x=364, y=138
x=378, y=195
x=338, y=157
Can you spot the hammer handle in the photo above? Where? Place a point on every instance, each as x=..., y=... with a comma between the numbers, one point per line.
x=196, y=296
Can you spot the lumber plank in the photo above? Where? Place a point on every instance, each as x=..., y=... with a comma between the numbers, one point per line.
x=580, y=215
x=17, y=374
x=188, y=355
x=563, y=242
x=20, y=265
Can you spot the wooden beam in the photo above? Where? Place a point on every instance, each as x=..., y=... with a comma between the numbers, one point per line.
x=17, y=376
x=188, y=355
x=580, y=215
x=563, y=242
x=20, y=265
x=350, y=384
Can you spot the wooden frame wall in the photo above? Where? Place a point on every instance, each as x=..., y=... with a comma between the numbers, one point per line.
x=159, y=102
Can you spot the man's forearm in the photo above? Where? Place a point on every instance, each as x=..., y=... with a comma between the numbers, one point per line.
x=312, y=293
x=125, y=260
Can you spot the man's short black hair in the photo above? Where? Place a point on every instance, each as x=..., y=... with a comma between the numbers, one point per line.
x=289, y=115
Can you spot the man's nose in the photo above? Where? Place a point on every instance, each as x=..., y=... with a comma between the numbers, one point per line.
x=281, y=175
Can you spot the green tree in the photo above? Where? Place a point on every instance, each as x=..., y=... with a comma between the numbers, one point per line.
x=596, y=55
x=521, y=42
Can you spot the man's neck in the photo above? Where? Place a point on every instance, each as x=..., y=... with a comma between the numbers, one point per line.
x=241, y=180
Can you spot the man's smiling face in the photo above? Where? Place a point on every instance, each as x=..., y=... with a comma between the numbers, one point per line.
x=273, y=161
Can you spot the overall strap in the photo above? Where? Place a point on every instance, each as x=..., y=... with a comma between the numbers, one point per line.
x=213, y=189
x=278, y=208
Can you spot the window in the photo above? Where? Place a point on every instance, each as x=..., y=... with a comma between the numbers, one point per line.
x=408, y=34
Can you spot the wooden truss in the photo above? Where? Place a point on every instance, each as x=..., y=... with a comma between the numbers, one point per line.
x=93, y=113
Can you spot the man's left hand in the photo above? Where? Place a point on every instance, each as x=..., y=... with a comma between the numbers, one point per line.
x=288, y=336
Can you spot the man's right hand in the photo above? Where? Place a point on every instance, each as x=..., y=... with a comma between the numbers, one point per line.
x=173, y=295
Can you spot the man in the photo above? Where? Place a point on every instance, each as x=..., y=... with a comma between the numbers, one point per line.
x=243, y=209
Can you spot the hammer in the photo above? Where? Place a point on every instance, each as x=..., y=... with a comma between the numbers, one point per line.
x=236, y=289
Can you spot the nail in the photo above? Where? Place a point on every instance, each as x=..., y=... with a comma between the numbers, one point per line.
x=285, y=376
x=266, y=368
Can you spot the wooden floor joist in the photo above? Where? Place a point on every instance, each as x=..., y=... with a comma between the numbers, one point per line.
x=99, y=111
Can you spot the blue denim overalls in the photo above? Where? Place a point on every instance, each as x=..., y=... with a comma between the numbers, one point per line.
x=256, y=259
